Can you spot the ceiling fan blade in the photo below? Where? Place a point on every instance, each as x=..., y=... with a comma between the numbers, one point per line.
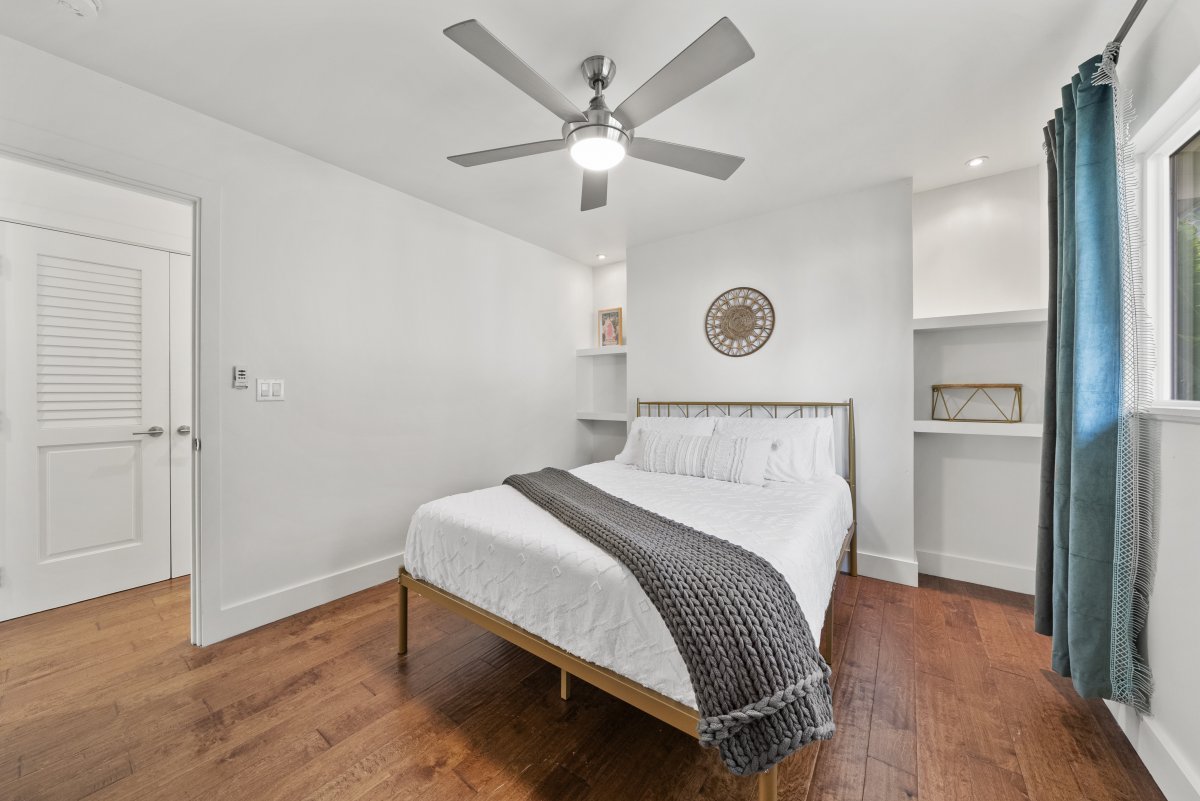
x=479, y=42
x=719, y=50
x=595, y=190
x=505, y=153
x=692, y=159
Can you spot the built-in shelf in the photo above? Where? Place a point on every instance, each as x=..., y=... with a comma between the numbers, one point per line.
x=983, y=429
x=987, y=320
x=611, y=417
x=611, y=350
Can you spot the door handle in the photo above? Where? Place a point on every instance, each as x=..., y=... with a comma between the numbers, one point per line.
x=153, y=431
x=183, y=430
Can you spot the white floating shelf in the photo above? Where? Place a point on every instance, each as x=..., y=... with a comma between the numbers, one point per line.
x=988, y=320
x=611, y=417
x=983, y=429
x=611, y=350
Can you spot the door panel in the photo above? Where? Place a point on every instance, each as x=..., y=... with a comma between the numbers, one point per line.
x=89, y=499
x=86, y=493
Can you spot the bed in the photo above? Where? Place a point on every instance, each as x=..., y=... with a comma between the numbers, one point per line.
x=509, y=566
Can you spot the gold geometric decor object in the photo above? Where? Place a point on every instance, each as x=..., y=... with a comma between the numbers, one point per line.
x=977, y=403
x=739, y=321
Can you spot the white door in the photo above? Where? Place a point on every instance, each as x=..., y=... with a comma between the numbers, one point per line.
x=84, y=426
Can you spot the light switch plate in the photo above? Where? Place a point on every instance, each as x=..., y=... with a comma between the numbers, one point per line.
x=268, y=389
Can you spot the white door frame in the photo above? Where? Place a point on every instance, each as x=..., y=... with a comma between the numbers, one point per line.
x=61, y=153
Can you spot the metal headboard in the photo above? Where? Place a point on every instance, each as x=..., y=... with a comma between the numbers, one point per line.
x=770, y=409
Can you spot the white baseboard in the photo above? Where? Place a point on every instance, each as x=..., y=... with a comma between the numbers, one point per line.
x=254, y=612
x=1175, y=776
x=887, y=568
x=977, y=571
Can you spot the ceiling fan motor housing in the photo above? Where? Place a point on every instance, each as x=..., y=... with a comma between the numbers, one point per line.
x=600, y=124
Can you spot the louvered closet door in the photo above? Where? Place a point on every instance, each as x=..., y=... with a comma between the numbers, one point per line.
x=86, y=505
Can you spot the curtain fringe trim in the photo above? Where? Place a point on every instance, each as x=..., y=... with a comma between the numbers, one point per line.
x=1137, y=435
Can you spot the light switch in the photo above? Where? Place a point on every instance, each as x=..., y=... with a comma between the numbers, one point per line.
x=269, y=389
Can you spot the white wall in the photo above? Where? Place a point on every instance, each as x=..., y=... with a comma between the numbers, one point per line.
x=1155, y=61
x=839, y=273
x=980, y=247
x=976, y=502
x=55, y=199
x=608, y=290
x=423, y=353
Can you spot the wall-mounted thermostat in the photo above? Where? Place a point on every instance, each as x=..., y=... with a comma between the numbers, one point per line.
x=269, y=389
x=240, y=379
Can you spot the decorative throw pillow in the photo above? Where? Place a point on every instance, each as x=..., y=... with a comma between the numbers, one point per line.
x=667, y=452
x=740, y=460
x=695, y=426
x=802, y=449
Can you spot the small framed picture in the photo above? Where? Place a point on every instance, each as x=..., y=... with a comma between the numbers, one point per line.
x=610, y=327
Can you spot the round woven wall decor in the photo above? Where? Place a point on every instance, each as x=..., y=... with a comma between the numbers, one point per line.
x=739, y=321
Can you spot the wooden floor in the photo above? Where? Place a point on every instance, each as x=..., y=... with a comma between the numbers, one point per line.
x=940, y=694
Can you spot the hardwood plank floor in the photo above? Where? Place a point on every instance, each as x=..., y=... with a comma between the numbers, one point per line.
x=941, y=693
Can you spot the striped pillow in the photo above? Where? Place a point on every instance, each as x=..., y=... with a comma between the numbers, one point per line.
x=740, y=460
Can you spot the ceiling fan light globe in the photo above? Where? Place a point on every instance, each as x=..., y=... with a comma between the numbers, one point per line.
x=597, y=154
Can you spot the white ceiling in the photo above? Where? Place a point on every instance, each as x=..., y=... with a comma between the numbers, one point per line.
x=842, y=94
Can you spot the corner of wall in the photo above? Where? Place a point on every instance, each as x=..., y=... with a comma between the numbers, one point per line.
x=1165, y=760
x=278, y=604
x=888, y=568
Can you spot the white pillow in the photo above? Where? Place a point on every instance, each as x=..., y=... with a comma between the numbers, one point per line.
x=692, y=426
x=741, y=460
x=801, y=447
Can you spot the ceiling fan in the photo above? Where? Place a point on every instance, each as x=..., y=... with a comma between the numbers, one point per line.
x=598, y=139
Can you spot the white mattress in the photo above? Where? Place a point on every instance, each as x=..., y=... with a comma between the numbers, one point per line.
x=499, y=551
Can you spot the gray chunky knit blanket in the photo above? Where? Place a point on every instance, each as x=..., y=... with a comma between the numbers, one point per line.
x=761, y=685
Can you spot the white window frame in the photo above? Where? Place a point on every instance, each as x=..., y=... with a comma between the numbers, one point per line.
x=1175, y=123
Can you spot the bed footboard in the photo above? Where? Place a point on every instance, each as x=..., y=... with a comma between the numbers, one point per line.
x=570, y=666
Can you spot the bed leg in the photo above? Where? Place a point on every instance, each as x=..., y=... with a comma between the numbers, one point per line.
x=402, y=629
x=826, y=645
x=854, y=554
x=564, y=684
x=768, y=785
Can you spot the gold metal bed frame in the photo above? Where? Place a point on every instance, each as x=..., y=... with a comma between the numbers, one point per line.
x=666, y=709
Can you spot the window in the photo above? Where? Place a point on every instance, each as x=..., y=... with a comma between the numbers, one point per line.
x=1168, y=149
x=1185, y=312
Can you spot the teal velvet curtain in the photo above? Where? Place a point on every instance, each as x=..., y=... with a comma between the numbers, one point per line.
x=1077, y=547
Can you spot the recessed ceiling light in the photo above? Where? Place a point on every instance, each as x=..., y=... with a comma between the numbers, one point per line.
x=82, y=8
x=601, y=256
x=978, y=161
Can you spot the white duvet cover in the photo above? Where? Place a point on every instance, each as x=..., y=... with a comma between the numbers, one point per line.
x=499, y=551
